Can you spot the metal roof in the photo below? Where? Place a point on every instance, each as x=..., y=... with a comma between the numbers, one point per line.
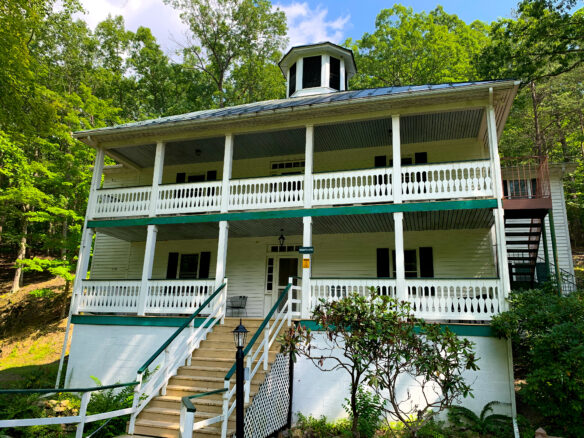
x=293, y=102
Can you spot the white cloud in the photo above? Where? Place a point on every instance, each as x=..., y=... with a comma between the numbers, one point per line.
x=163, y=20
x=307, y=25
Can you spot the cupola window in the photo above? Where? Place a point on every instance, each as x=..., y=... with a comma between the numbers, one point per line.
x=335, y=74
x=292, y=83
x=311, y=72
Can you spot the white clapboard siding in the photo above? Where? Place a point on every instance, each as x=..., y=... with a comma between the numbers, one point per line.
x=110, y=258
x=448, y=180
x=561, y=226
x=366, y=185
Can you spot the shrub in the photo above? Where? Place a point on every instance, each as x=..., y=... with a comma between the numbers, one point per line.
x=321, y=428
x=484, y=424
x=547, y=332
x=370, y=410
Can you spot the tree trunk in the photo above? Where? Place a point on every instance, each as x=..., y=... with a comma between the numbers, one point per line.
x=538, y=134
x=64, y=243
x=20, y=256
x=355, y=424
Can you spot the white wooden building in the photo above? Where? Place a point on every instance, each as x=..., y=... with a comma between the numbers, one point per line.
x=400, y=188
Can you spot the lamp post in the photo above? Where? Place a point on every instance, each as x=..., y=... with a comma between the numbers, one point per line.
x=239, y=335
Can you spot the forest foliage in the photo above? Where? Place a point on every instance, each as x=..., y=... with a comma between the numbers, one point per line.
x=58, y=75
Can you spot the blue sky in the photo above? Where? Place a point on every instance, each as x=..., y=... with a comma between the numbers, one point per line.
x=309, y=21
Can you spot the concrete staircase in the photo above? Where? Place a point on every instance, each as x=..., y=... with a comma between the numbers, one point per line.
x=210, y=363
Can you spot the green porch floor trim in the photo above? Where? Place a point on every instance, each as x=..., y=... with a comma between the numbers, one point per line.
x=151, y=321
x=298, y=213
x=459, y=329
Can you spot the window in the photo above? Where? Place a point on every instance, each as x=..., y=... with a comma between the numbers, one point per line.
x=426, y=262
x=188, y=266
x=380, y=161
x=410, y=263
x=183, y=177
x=335, y=73
x=292, y=83
x=311, y=72
x=293, y=167
x=382, y=262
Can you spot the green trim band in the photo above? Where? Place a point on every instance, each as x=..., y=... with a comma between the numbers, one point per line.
x=298, y=213
x=459, y=329
x=149, y=321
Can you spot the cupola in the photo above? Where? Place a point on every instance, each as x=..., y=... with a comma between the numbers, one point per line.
x=317, y=69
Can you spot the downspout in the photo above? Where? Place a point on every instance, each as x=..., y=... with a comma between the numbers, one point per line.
x=555, y=253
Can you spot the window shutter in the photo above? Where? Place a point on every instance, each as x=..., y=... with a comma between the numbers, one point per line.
x=426, y=262
x=172, y=265
x=383, y=262
x=181, y=177
x=205, y=264
x=421, y=157
x=212, y=175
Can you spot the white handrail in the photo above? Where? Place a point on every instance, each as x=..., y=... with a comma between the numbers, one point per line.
x=268, y=192
x=123, y=201
x=189, y=197
x=350, y=186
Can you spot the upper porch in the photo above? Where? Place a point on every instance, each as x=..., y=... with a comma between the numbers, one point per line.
x=425, y=156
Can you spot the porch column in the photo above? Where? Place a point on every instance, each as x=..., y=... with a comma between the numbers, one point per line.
x=157, y=176
x=502, y=262
x=221, y=253
x=95, y=181
x=147, y=267
x=400, y=271
x=308, y=166
x=306, y=271
x=82, y=265
x=498, y=192
x=396, y=157
x=227, y=168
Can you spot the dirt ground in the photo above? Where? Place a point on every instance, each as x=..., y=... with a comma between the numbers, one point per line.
x=32, y=327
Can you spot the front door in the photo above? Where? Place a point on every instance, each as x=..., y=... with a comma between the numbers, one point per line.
x=284, y=267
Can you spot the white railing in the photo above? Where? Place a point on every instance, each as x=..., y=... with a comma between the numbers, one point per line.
x=467, y=179
x=256, y=356
x=448, y=180
x=189, y=198
x=271, y=192
x=124, y=296
x=457, y=299
x=104, y=296
x=82, y=417
x=352, y=186
x=177, y=296
x=176, y=352
x=128, y=201
x=431, y=298
x=330, y=289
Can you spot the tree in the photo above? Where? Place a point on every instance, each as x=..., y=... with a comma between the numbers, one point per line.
x=547, y=334
x=410, y=48
x=230, y=33
x=546, y=39
x=380, y=343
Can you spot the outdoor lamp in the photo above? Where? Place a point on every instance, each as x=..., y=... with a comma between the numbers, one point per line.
x=239, y=335
x=281, y=239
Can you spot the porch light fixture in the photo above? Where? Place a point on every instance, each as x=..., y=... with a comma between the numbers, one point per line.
x=239, y=335
x=281, y=239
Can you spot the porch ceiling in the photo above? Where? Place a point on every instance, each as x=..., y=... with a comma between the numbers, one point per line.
x=418, y=128
x=342, y=224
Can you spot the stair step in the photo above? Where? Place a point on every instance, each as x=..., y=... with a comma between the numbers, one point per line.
x=521, y=250
x=522, y=242
x=171, y=430
x=522, y=233
x=173, y=415
x=183, y=391
x=519, y=258
x=521, y=225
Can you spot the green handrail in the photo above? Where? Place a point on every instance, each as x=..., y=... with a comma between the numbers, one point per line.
x=178, y=331
x=51, y=390
x=260, y=328
x=186, y=400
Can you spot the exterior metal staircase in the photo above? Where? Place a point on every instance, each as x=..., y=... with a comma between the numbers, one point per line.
x=209, y=365
x=522, y=237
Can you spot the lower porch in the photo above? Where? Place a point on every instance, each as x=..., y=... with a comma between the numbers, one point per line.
x=449, y=264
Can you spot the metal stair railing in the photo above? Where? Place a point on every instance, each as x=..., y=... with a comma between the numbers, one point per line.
x=175, y=354
x=270, y=330
x=569, y=281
